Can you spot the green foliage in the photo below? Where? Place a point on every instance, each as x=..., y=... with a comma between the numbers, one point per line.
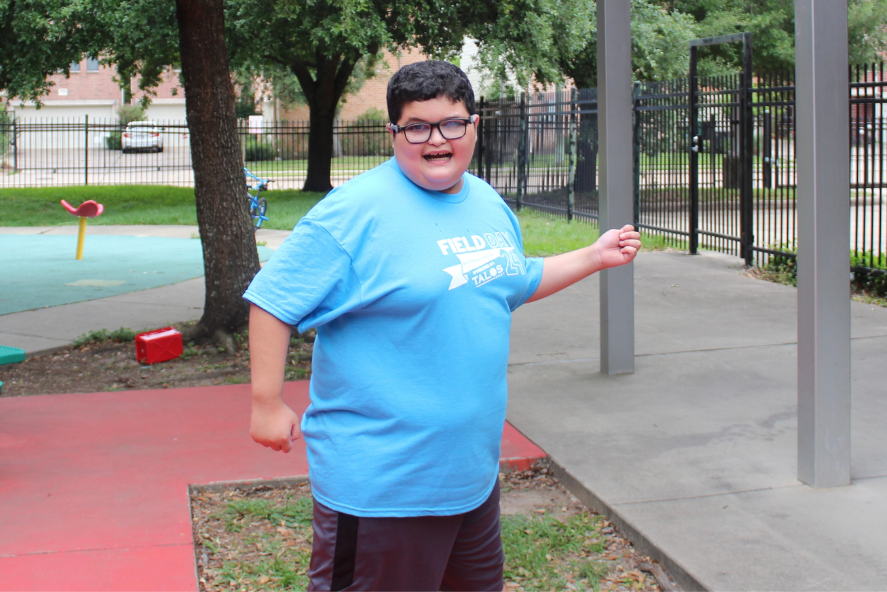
x=40, y=37
x=245, y=104
x=125, y=115
x=6, y=136
x=290, y=514
x=129, y=113
x=535, y=547
x=366, y=136
x=869, y=271
x=121, y=335
x=662, y=29
x=280, y=566
x=255, y=150
x=373, y=115
x=783, y=269
x=772, y=25
x=114, y=141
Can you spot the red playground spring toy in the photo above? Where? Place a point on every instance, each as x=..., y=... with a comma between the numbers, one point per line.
x=88, y=209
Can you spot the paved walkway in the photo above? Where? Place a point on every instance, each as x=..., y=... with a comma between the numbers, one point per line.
x=693, y=455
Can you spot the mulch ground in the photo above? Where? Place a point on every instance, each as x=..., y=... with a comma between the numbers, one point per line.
x=100, y=366
x=259, y=538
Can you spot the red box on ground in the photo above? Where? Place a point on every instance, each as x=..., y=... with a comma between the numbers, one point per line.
x=159, y=345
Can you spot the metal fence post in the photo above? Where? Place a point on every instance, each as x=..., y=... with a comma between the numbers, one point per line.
x=571, y=155
x=480, y=140
x=521, y=148
x=14, y=143
x=767, y=151
x=694, y=143
x=86, y=150
x=636, y=153
x=747, y=194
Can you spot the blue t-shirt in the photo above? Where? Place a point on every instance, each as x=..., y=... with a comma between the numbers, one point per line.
x=411, y=292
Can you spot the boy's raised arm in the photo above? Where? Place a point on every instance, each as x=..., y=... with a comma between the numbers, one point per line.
x=272, y=422
x=613, y=248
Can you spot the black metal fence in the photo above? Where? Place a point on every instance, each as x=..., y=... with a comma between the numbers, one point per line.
x=89, y=151
x=541, y=152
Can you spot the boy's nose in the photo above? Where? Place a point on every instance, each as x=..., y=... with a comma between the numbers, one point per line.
x=436, y=137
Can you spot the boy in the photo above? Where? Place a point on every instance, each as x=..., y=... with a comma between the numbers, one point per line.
x=410, y=273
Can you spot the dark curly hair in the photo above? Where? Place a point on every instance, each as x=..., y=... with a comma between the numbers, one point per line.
x=428, y=80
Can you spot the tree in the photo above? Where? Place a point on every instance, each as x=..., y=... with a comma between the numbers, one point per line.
x=322, y=42
x=144, y=37
x=230, y=259
x=772, y=25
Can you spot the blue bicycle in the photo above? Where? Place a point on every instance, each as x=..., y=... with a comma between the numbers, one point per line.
x=258, y=206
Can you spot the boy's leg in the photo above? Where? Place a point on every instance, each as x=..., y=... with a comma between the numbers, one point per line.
x=353, y=553
x=477, y=560
x=462, y=552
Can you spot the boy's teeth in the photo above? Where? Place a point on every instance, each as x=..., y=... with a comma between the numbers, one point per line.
x=441, y=156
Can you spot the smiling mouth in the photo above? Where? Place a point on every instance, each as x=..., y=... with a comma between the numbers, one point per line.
x=438, y=157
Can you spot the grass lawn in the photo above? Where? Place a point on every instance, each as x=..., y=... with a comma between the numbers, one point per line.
x=157, y=204
x=344, y=163
x=134, y=204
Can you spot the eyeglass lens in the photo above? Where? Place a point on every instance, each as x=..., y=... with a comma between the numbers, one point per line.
x=419, y=133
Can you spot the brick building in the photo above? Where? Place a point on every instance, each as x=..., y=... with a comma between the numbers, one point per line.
x=371, y=95
x=91, y=90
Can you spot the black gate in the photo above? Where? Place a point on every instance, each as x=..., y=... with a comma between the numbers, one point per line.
x=721, y=155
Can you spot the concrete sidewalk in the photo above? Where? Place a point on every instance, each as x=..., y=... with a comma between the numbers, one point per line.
x=693, y=455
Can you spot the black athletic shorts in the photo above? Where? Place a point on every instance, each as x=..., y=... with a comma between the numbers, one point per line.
x=461, y=552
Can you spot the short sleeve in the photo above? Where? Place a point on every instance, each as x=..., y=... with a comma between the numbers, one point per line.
x=308, y=281
x=532, y=266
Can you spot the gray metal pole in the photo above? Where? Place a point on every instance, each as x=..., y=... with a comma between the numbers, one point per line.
x=822, y=111
x=616, y=190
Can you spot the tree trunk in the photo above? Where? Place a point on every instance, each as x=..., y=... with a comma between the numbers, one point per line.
x=230, y=259
x=320, y=146
x=323, y=93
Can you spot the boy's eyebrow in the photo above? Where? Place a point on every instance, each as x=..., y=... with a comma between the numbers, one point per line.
x=418, y=120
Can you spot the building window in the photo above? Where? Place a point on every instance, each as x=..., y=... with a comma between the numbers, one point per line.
x=75, y=66
x=92, y=65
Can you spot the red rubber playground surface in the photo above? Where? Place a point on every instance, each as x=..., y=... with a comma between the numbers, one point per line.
x=94, y=487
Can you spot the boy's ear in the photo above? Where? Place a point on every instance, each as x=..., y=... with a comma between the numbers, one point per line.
x=474, y=118
x=388, y=126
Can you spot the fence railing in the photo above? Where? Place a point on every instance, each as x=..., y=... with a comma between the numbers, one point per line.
x=541, y=152
x=89, y=151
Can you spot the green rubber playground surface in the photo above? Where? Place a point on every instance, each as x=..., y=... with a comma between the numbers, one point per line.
x=40, y=270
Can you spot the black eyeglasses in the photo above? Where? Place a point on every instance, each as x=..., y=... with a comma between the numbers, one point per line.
x=419, y=133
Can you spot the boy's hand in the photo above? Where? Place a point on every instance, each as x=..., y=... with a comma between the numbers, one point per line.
x=617, y=247
x=613, y=248
x=274, y=425
x=271, y=423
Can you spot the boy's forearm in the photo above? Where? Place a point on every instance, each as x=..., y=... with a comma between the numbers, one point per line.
x=612, y=248
x=561, y=271
x=269, y=339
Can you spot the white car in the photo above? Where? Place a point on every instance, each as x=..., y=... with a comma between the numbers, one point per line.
x=142, y=135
